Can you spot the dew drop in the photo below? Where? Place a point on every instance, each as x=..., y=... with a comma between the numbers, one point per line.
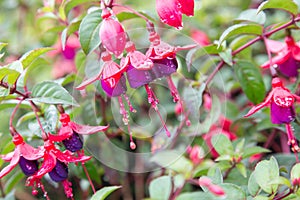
x=132, y=145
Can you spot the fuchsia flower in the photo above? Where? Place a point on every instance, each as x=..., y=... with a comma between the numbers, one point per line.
x=112, y=34
x=214, y=189
x=111, y=77
x=24, y=155
x=287, y=58
x=55, y=163
x=281, y=102
x=70, y=133
x=223, y=128
x=200, y=37
x=64, y=62
x=170, y=11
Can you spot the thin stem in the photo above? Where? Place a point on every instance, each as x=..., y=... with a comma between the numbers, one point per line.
x=133, y=11
x=2, y=190
x=258, y=38
x=13, y=131
x=44, y=135
x=88, y=177
x=282, y=196
x=272, y=69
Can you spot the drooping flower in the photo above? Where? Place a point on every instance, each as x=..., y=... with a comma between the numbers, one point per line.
x=111, y=77
x=64, y=57
x=170, y=11
x=54, y=163
x=214, y=189
x=24, y=155
x=282, y=111
x=200, y=37
x=70, y=133
x=112, y=34
x=287, y=56
x=223, y=127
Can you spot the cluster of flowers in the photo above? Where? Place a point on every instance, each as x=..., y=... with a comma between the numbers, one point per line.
x=141, y=69
x=280, y=99
x=37, y=162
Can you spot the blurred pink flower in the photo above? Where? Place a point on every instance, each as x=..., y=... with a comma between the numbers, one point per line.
x=64, y=58
x=196, y=154
x=200, y=37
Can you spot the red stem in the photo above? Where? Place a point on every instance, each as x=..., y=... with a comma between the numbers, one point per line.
x=258, y=38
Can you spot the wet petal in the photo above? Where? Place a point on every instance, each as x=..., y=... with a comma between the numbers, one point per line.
x=7, y=157
x=164, y=67
x=296, y=53
x=59, y=172
x=29, y=167
x=87, y=82
x=31, y=153
x=279, y=59
x=68, y=156
x=275, y=46
x=187, y=7
x=14, y=161
x=74, y=143
x=290, y=67
x=86, y=130
x=48, y=164
x=138, y=78
x=169, y=12
x=139, y=61
x=280, y=115
x=113, y=36
x=160, y=51
x=64, y=133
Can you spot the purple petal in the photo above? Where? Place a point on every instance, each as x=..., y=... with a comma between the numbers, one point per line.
x=117, y=90
x=59, y=172
x=281, y=115
x=290, y=67
x=74, y=143
x=29, y=167
x=138, y=77
x=164, y=67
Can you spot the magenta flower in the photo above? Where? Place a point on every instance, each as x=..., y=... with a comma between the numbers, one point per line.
x=170, y=11
x=138, y=67
x=55, y=163
x=196, y=154
x=24, y=155
x=287, y=58
x=70, y=133
x=281, y=102
x=111, y=77
x=64, y=57
x=112, y=34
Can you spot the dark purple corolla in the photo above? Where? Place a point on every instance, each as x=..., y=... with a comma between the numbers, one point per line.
x=281, y=102
x=59, y=172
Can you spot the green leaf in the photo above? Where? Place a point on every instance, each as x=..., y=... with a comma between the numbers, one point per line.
x=196, y=196
x=295, y=172
x=253, y=186
x=222, y=144
x=280, y=180
x=251, y=15
x=227, y=56
x=160, y=188
x=238, y=29
x=265, y=172
x=173, y=160
x=250, y=151
x=287, y=5
x=30, y=56
x=128, y=15
x=104, y=192
x=9, y=74
x=89, y=31
x=13, y=181
x=2, y=45
x=250, y=78
x=52, y=93
x=69, y=5
x=233, y=191
x=242, y=169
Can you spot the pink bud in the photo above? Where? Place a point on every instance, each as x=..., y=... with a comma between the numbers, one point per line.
x=169, y=12
x=204, y=181
x=216, y=190
x=113, y=36
x=187, y=7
